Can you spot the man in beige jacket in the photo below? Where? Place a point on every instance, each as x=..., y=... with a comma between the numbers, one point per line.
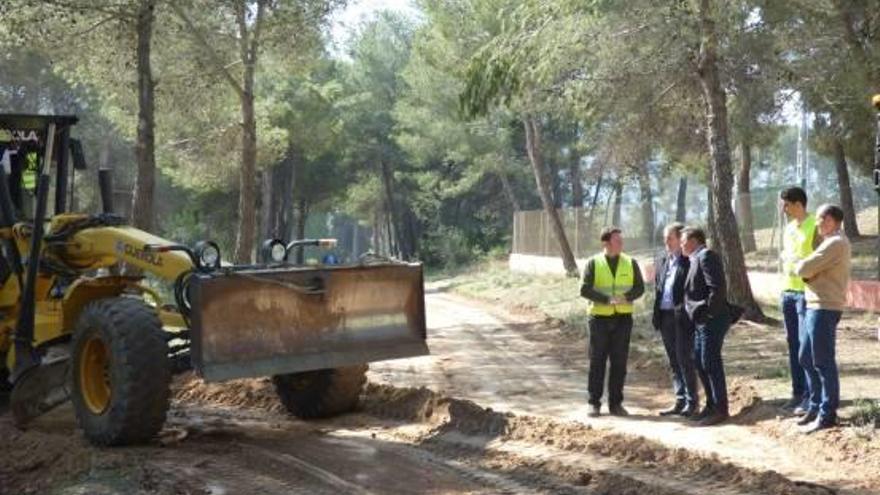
x=826, y=273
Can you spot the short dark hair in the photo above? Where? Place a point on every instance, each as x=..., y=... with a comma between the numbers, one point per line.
x=832, y=211
x=695, y=233
x=607, y=232
x=794, y=195
x=676, y=227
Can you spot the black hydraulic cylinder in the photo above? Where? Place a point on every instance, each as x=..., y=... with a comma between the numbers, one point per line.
x=25, y=356
x=62, y=171
x=105, y=183
x=7, y=209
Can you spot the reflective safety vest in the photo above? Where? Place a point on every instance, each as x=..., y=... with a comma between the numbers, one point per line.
x=612, y=285
x=29, y=174
x=797, y=244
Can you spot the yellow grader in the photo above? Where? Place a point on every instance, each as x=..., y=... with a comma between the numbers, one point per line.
x=72, y=326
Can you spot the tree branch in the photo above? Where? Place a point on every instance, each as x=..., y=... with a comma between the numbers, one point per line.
x=212, y=54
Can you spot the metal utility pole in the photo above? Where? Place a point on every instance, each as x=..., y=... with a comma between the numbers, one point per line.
x=803, y=154
x=876, y=175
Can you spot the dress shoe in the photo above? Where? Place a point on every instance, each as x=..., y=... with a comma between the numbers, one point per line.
x=819, y=425
x=672, y=411
x=808, y=418
x=688, y=411
x=618, y=410
x=704, y=413
x=714, y=418
x=593, y=412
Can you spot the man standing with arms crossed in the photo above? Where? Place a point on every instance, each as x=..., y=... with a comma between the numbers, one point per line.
x=612, y=281
x=799, y=240
x=826, y=273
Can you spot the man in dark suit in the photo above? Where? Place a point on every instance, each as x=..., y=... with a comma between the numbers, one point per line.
x=705, y=301
x=672, y=322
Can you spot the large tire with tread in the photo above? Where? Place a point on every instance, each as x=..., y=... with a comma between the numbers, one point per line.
x=127, y=403
x=321, y=393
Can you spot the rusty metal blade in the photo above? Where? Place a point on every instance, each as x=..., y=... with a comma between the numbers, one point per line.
x=259, y=322
x=39, y=390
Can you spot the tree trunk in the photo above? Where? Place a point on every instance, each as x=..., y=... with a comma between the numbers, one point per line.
x=744, y=200
x=533, y=147
x=647, y=203
x=577, y=188
x=277, y=192
x=267, y=203
x=508, y=190
x=595, y=200
x=145, y=183
x=283, y=227
x=244, y=243
x=248, y=48
x=302, y=214
x=850, y=225
x=555, y=183
x=618, y=203
x=711, y=222
x=391, y=208
x=738, y=287
x=681, y=201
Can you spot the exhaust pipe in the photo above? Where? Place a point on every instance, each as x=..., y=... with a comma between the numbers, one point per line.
x=105, y=184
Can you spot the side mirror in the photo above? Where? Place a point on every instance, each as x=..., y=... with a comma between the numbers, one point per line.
x=79, y=158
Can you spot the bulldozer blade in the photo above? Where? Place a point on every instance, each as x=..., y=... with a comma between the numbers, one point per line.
x=268, y=321
x=39, y=390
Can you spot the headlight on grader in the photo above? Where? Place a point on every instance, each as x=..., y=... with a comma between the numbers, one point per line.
x=207, y=255
x=274, y=250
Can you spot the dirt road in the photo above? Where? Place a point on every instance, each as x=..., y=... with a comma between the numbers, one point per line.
x=503, y=413
x=522, y=364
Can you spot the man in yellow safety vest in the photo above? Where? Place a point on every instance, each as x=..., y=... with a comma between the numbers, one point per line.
x=612, y=281
x=799, y=240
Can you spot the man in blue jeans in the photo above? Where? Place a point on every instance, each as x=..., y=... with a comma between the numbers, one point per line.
x=705, y=302
x=826, y=273
x=799, y=240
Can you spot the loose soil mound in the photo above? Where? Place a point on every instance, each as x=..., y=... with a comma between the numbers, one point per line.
x=33, y=460
x=466, y=417
x=257, y=393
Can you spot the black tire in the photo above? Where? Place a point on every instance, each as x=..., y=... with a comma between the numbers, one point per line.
x=321, y=393
x=137, y=372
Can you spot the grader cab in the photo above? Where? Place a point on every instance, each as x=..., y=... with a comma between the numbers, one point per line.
x=73, y=326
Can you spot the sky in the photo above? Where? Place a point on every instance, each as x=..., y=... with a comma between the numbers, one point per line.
x=357, y=10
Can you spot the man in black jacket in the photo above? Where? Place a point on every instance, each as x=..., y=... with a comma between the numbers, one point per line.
x=670, y=319
x=705, y=301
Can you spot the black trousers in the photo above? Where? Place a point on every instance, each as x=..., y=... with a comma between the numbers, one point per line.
x=678, y=339
x=609, y=346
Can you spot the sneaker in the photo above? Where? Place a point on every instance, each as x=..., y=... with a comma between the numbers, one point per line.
x=820, y=424
x=808, y=418
x=618, y=410
x=593, y=412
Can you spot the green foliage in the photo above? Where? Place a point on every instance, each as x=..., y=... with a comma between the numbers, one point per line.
x=866, y=413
